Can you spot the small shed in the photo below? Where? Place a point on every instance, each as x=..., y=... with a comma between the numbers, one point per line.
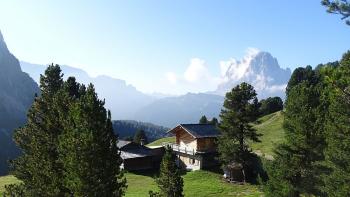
x=234, y=172
x=138, y=157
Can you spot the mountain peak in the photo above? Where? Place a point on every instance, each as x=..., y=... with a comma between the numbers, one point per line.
x=260, y=69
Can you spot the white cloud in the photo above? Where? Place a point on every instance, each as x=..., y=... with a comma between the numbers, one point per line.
x=276, y=88
x=171, y=77
x=196, y=71
x=195, y=78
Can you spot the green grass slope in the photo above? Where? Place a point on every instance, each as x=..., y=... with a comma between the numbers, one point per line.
x=271, y=126
x=197, y=183
x=162, y=140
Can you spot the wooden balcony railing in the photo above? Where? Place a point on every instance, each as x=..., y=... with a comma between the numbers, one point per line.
x=179, y=148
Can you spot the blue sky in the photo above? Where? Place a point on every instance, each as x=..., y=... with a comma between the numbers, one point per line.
x=152, y=43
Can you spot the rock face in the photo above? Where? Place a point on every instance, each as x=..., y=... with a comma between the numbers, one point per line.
x=259, y=69
x=17, y=91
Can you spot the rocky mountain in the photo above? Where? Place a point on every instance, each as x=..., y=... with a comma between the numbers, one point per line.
x=181, y=109
x=258, y=68
x=17, y=92
x=123, y=100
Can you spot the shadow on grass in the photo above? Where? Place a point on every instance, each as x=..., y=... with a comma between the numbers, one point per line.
x=149, y=172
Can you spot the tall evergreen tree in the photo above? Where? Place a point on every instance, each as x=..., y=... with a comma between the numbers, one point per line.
x=241, y=108
x=214, y=121
x=203, y=120
x=337, y=131
x=68, y=144
x=296, y=169
x=170, y=181
x=139, y=136
x=88, y=149
x=39, y=167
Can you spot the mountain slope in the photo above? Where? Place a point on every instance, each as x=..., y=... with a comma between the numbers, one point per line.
x=122, y=99
x=128, y=128
x=17, y=91
x=271, y=126
x=182, y=109
x=258, y=68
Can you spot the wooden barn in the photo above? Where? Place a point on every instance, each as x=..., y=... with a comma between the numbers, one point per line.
x=195, y=145
x=139, y=157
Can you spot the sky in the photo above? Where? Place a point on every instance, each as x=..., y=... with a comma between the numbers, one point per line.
x=168, y=46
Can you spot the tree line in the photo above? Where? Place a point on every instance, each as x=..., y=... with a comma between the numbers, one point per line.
x=314, y=159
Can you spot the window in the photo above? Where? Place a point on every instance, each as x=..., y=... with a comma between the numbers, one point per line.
x=192, y=161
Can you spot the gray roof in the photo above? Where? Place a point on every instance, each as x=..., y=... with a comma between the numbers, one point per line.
x=199, y=130
x=134, y=150
x=136, y=153
x=122, y=143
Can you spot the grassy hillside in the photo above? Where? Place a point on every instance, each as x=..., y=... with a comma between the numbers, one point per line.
x=162, y=140
x=271, y=128
x=198, y=183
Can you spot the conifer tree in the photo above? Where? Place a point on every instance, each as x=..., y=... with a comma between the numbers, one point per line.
x=295, y=169
x=88, y=149
x=39, y=167
x=140, y=135
x=68, y=144
x=337, y=129
x=241, y=108
x=203, y=120
x=341, y=7
x=170, y=181
x=214, y=121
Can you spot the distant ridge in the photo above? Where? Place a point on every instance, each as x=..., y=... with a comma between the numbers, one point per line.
x=123, y=100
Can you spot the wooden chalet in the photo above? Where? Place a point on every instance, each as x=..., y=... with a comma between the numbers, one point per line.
x=195, y=145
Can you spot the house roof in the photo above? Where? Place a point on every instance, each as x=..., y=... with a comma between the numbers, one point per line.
x=130, y=150
x=198, y=130
x=136, y=153
x=122, y=143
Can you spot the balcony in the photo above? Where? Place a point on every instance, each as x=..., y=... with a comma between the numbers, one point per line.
x=181, y=149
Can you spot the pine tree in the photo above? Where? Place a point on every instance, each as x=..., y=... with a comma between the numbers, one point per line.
x=88, y=149
x=170, y=181
x=139, y=136
x=341, y=7
x=39, y=167
x=214, y=121
x=68, y=144
x=295, y=169
x=203, y=120
x=337, y=131
x=241, y=108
